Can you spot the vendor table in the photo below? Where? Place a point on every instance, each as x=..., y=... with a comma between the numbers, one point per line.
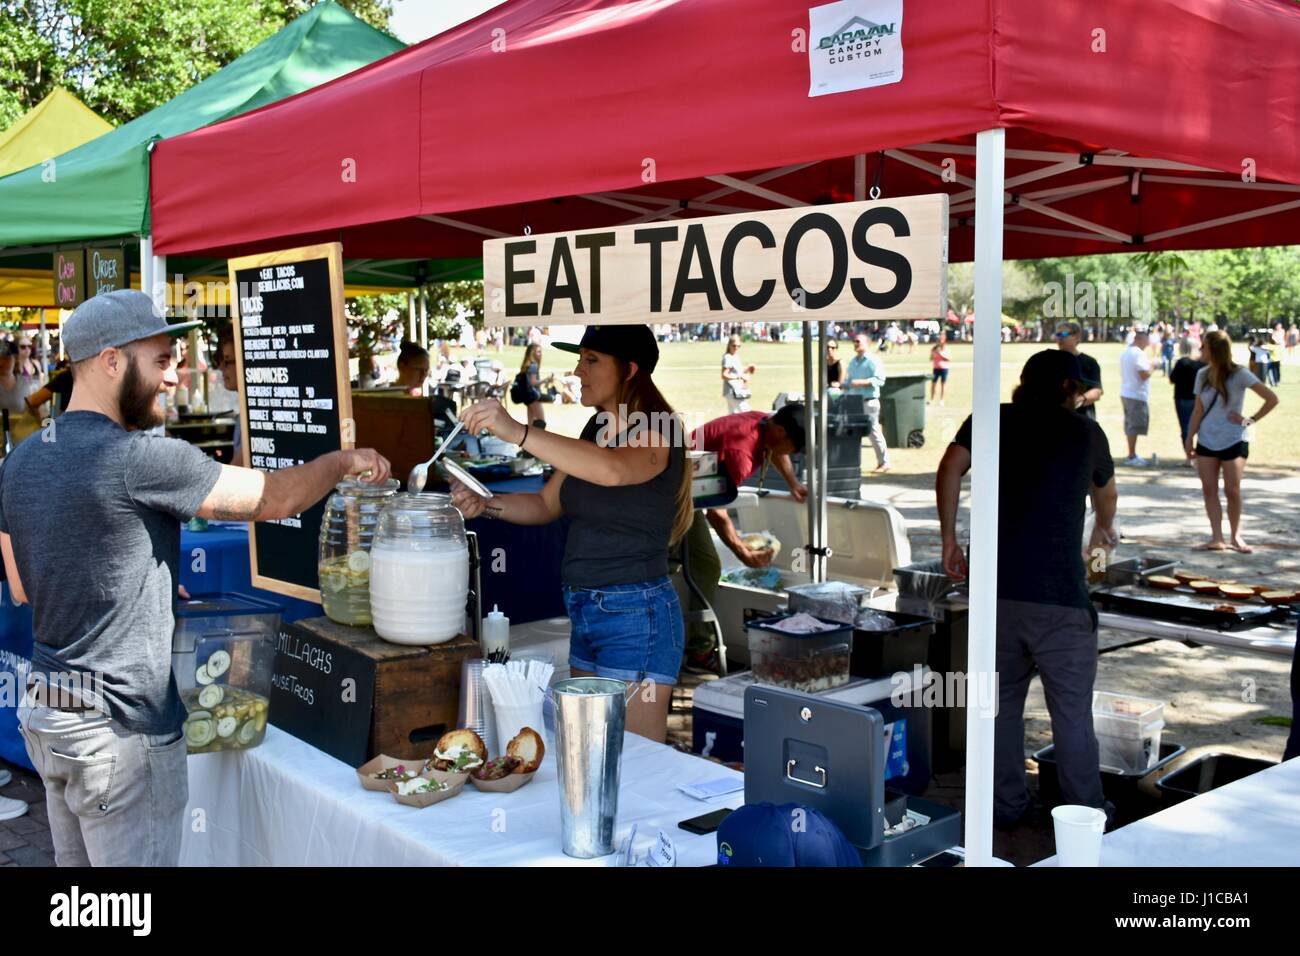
x=1250, y=822
x=1276, y=640
x=285, y=803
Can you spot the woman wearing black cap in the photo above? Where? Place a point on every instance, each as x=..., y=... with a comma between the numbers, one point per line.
x=625, y=488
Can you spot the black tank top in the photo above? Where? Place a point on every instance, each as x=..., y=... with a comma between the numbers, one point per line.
x=619, y=535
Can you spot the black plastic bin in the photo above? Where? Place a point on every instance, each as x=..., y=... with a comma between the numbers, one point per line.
x=880, y=653
x=1122, y=789
x=1208, y=773
x=902, y=410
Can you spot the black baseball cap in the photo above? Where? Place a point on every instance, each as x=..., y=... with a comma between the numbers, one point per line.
x=790, y=417
x=1050, y=366
x=631, y=343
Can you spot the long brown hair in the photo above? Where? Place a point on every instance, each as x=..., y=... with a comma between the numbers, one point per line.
x=1216, y=347
x=528, y=358
x=640, y=394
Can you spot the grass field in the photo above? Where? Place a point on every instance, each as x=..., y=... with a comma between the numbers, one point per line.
x=689, y=376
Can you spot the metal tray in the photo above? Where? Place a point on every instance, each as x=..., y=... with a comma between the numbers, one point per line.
x=1186, y=606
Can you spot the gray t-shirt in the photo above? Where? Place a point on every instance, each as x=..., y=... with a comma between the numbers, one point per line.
x=95, y=517
x=1216, y=432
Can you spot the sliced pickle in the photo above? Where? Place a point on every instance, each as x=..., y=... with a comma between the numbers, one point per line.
x=199, y=733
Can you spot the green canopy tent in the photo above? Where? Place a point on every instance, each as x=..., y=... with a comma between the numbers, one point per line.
x=100, y=190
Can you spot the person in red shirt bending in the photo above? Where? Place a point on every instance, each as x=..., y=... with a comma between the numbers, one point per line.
x=744, y=443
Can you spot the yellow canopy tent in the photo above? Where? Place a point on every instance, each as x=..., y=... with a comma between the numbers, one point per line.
x=34, y=289
x=53, y=126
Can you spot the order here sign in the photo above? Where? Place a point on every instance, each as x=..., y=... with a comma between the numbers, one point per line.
x=881, y=259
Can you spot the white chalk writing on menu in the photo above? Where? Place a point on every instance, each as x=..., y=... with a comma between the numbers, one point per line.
x=274, y=405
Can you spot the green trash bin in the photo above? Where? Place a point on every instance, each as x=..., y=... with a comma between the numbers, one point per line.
x=902, y=410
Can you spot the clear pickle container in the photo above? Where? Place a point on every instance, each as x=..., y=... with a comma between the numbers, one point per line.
x=347, y=531
x=419, y=571
x=223, y=657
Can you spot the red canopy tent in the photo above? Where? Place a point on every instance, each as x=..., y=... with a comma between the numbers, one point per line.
x=552, y=114
x=1117, y=125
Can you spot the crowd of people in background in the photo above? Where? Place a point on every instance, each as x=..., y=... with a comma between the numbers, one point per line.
x=1209, y=390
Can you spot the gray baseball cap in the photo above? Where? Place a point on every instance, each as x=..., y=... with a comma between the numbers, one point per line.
x=115, y=319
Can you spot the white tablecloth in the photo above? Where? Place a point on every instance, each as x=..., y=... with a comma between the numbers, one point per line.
x=1254, y=821
x=285, y=803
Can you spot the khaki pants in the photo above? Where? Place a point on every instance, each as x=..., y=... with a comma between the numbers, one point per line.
x=114, y=797
x=877, y=434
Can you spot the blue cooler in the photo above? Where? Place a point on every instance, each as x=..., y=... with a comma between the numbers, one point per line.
x=719, y=724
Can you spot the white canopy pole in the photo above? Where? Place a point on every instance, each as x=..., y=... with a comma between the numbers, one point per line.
x=410, y=315
x=812, y=445
x=424, y=318
x=146, y=265
x=822, y=563
x=43, y=349
x=990, y=158
x=160, y=287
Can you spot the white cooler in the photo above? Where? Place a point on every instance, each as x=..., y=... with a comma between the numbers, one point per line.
x=868, y=541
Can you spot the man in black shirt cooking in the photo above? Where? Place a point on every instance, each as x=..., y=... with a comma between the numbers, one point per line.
x=1052, y=460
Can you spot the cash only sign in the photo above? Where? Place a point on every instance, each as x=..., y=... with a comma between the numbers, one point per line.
x=847, y=262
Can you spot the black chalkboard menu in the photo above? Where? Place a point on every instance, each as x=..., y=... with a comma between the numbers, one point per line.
x=291, y=353
x=323, y=692
x=69, y=277
x=105, y=270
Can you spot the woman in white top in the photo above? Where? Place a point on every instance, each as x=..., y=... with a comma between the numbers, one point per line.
x=14, y=389
x=735, y=378
x=1218, y=429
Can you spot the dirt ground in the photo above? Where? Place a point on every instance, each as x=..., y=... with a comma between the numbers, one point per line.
x=1214, y=698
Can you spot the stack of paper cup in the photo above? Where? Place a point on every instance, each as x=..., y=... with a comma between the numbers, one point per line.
x=1078, y=835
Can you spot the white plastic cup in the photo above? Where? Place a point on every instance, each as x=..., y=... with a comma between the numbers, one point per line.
x=1078, y=835
x=510, y=720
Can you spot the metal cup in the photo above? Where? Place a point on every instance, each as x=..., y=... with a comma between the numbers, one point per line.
x=590, y=716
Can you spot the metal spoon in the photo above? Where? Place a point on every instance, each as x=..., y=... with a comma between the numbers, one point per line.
x=420, y=473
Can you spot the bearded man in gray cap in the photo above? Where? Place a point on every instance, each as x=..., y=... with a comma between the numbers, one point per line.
x=1052, y=460
x=102, y=716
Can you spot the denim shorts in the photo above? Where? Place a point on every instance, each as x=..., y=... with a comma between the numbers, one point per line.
x=628, y=632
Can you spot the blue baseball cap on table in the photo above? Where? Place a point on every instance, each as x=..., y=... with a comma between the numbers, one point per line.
x=764, y=834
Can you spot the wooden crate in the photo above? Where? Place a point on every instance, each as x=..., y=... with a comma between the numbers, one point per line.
x=405, y=697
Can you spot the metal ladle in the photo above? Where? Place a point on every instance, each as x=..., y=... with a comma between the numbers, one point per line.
x=415, y=481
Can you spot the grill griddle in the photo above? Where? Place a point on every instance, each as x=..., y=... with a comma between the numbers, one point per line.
x=1186, y=606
